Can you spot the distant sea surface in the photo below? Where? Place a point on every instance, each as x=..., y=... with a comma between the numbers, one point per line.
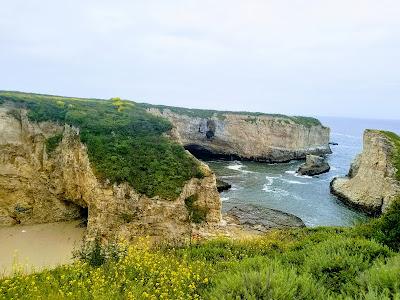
x=278, y=186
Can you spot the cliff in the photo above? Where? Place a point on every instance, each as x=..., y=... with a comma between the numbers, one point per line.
x=372, y=183
x=247, y=136
x=39, y=184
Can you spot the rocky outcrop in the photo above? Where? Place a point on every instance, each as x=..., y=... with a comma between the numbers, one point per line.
x=263, y=219
x=239, y=136
x=314, y=165
x=37, y=187
x=371, y=184
x=222, y=185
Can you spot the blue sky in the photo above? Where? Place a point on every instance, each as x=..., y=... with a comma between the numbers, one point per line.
x=330, y=58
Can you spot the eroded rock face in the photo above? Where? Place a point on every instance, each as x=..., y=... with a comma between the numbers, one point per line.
x=237, y=136
x=37, y=188
x=370, y=185
x=314, y=165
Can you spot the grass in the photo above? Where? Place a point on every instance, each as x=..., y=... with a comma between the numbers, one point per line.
x=124, y=142
x=305, y=263
x=396, y=153
x=205, y=114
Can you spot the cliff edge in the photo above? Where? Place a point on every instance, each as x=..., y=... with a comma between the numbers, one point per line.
x=245, y=136
x=47, y=175
x=373, y=180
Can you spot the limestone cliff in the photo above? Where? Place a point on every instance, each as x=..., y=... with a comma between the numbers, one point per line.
x=371, y=184
x=38, y=187
x=250, y=137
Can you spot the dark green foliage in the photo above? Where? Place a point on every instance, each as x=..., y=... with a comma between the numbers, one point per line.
x=125, y=143
x=396, y=153
x=52, y=143
x=15, y=113
x=386, y=229
x=96, y=253
x=306, y=121
x=382, y=279
x=204, y=113
x=196, y=213
x=261, y=278
x=336, y=262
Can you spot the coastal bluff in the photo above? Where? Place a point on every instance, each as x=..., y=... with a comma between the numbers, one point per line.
x=246, y=136
x=121, y=166
x=372, y=182
x=39, y=186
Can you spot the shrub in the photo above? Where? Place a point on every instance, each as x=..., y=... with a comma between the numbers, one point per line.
x=95, y=253
x=262, y=278
x=196, y=214
x=53, y=142
x=395, y=139
x=383, y=278
x=337, y=261
x=386, y=229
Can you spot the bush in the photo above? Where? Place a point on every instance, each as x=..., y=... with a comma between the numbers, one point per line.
x=196, y=214
x=262, y=278
x=383, y=278
x=52, y=143
x=386, y=229
x=95, y=253
x=395, y=139
x=337, y=261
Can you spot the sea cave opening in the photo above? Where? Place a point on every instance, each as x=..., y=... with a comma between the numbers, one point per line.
x=205, y=154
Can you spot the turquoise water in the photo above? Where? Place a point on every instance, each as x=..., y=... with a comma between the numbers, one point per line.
x=278, y=186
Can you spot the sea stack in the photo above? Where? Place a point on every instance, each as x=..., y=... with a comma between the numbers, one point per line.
x=314, y=165
x=373, y=180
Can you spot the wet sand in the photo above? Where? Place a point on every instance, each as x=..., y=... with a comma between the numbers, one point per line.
x=34, y=247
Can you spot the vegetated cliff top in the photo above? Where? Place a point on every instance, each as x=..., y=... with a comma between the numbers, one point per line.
x=208, y=113
x=395, y=139
x=124, y=142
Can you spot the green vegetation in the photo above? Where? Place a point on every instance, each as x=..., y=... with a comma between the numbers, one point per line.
x=306, y=263
x=196, y=213
x=52, y=143
x=204, y=113
x=396, y=154
x=125, y=143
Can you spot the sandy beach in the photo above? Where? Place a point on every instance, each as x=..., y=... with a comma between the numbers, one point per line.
x=34, y=247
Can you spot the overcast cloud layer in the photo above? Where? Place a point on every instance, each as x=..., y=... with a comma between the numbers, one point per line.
x=333, y=58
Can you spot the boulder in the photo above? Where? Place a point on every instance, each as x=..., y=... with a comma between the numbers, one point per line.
x=314, y=165
x=222, y=185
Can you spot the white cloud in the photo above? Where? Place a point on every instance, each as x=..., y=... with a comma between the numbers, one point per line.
x=251, y=52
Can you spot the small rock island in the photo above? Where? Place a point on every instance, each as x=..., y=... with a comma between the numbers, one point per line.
x=314, y=165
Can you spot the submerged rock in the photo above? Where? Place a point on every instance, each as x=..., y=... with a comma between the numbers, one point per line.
x=222, y=185
x=371, y=184
x=314, y=165
x=261, y=218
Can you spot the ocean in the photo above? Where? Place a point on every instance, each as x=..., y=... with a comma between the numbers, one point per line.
x=278, y=186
